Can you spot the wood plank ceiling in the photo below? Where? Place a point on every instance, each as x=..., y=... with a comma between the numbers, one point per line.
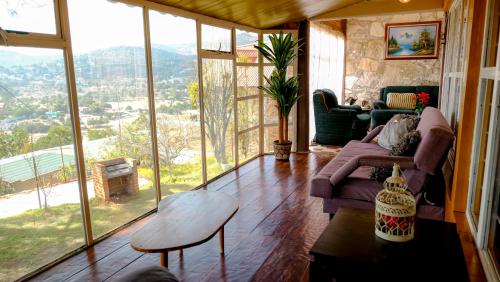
x=270, y=13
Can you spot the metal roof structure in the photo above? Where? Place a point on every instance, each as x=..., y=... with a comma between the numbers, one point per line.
x=22, y=168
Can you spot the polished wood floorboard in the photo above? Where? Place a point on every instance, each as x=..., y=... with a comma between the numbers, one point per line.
x=267, y=240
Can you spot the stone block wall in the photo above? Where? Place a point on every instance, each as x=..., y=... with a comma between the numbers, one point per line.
x=367, y=71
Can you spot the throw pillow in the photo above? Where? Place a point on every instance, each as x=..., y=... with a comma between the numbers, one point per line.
x=394, y=130
x=406, y=101
x=407, y=145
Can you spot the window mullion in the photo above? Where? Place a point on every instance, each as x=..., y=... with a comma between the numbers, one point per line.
x=75, y=120
x=200, y=101
x=235, y=98
x=152, y=108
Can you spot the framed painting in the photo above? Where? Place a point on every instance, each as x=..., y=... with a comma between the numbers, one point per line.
x=410, y=41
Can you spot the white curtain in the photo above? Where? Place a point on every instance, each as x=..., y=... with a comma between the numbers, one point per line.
x=326, y=64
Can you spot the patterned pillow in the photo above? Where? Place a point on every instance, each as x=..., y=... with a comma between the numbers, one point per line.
x=405, y=101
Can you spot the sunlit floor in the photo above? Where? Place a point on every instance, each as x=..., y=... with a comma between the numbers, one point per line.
x=267, y=240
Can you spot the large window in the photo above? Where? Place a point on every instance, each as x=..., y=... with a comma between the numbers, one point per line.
x=110, y=65
x=142, y=104
x=174, y=59
x=40, y=214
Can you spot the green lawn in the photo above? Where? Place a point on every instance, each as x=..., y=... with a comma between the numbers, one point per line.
x=37, y=237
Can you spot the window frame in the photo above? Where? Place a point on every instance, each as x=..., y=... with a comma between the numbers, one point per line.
x=62, y=40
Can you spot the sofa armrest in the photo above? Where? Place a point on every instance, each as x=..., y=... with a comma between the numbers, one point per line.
x=321, y=187
x=374, y=132
x=357, y=108
x=379, y=105
x=370, y=160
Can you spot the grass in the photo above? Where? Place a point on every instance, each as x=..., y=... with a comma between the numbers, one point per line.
x=37, y=237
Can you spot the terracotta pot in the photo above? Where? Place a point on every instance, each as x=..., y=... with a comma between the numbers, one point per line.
x=282, y=151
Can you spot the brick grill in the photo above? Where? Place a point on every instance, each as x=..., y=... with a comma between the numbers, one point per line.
x=115, y=177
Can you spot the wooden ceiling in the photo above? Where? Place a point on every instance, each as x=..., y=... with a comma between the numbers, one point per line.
x=270, y=13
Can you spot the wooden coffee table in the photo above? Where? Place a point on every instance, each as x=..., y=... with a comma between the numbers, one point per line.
x=185, y=220
x=349, y=250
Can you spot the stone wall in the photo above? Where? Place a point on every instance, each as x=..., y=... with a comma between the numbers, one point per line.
x=367, y=71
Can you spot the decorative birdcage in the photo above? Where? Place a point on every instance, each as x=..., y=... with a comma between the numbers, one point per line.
x=395, y=209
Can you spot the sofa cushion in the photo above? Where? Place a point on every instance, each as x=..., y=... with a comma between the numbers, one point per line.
x=437, y=138
x=397, y=89
x=321, y=186
x=358, y=186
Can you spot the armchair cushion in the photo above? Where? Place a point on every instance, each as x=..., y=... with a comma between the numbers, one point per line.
x=357, y=108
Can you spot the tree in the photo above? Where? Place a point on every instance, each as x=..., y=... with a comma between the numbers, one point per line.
x=12, y=144
x=94, y=134
x=58, y=136
x=425, y=39
x=134, y=141
x=217, y=102
x=173, y=138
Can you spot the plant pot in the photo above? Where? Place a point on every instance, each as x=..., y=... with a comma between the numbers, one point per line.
x=282, y=151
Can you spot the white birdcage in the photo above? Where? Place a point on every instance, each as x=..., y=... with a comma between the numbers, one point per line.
x=395, y=209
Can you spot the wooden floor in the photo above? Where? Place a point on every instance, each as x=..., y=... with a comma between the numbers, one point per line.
x=267, y=240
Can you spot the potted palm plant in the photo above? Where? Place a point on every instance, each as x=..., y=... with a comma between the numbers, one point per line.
x=284, y=91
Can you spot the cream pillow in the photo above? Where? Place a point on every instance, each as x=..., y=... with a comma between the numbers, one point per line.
x=405, y=101
x=395, y=128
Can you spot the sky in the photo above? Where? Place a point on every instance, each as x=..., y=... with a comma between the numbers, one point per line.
x=97, y=24
x=406, y=35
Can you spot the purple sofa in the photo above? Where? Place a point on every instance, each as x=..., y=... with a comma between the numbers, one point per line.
x=345, y=182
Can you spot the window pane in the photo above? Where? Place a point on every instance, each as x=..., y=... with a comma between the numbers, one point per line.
x=219, y=120
x=176, y=98
x=494, y=26
x=245, y=51
x=494, y=235
x=29, y=16
x=248, y=145
x=248, y=80
x=248, y=113
x=483, y=149
x=113, y=101
x=215, y=38
x=270, y=134
x=40, y=212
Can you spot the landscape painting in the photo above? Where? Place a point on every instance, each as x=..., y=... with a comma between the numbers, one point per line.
x=412, y=40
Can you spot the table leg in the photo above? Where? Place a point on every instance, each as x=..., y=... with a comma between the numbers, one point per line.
x=181, y=252
x=221, y=239
x=164, y=259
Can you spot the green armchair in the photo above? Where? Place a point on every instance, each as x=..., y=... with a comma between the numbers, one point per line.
x=381, y=114
x=337, y=124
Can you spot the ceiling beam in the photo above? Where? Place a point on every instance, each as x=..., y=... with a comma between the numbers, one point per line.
x=382, y=7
